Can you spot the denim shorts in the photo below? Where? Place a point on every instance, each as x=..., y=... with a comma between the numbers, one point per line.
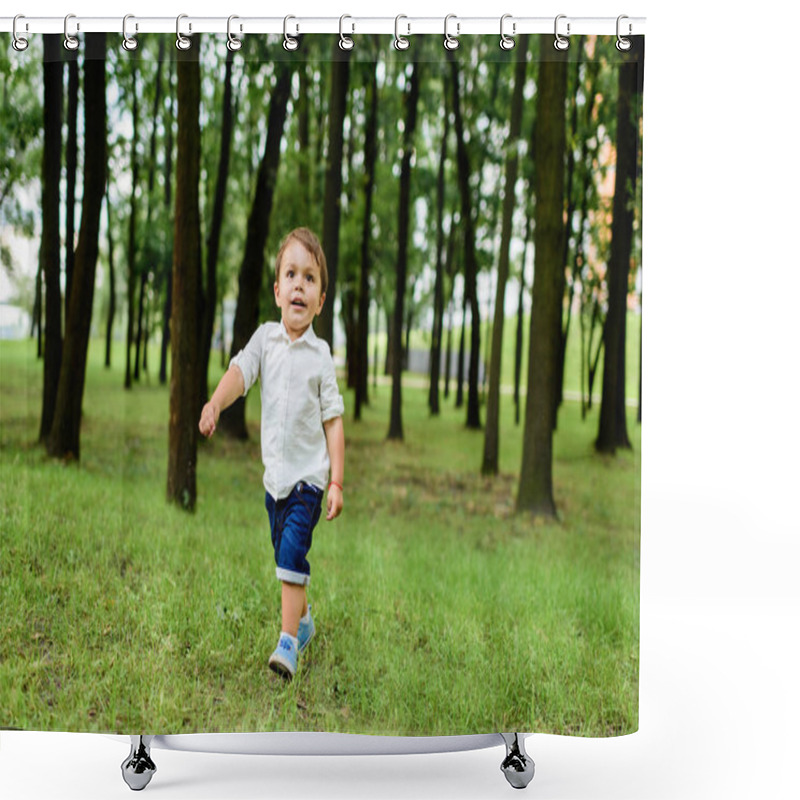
x=292, y=521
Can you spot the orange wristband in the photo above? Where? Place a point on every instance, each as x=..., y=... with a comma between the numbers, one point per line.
x=338, y=485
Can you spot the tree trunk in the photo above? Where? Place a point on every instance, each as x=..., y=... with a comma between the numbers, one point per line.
x=64, y=440
x=251, y=273
x=462, y=346
x=72, y=169
x=167, y=258
x=438, y=286
x=215, y=230
x=50, y=248
x=112, y=298
x=536, y=475
x=332, y=204
x=613, y=430
x=404, y=215
x=491, y=442
x=184, y=408
x=370, y=153
x=470, y=258
x=520, y=321
x=132, y=227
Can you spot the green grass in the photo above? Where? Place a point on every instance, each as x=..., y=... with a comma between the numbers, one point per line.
x=439, y=611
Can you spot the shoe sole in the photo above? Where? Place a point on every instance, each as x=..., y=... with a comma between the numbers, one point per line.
x=283, y=668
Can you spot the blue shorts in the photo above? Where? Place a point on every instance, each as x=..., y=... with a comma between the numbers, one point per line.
x=292, y=522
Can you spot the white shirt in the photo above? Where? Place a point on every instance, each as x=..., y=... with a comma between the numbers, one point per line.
x=298, y=394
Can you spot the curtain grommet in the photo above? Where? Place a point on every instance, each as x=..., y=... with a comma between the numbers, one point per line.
x=623, y=44
x=19, y=43
x=70, y=41
x=401, y=42
x=289, y=42
x=234, y=43
x=129, y=43
x=182, y=42
x=345, y=42
x=506, y=42
x=451, y=42
x=561, y=43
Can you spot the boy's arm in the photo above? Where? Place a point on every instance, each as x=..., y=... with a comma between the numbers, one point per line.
x=334, y=433
x=230, y=388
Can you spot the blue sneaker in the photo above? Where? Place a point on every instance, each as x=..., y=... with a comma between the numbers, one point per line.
x=284, y=659
x=305, y=632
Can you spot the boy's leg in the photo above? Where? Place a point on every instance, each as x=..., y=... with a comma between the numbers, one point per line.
x=293, y=606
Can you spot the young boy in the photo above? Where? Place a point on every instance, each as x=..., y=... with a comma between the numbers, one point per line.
x=302, y=434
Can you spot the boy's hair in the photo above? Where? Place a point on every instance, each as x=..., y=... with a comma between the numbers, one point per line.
x=311, y=243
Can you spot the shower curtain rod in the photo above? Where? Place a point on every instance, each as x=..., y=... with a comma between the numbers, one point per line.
x=452, y=25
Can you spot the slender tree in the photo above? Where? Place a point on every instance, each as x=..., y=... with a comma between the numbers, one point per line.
x=251, y=273
x=167, y=258
x=404, y=213
x=215, y=229
x=491, y=442
x=613, y=430
x=64, y=439
x=132, y=225
x=536, y=476
x=470, y=256
x=370, y=153
x=72, y=168
x=184, y=404
x=112, y=291
x=50, y=248
x=340, y=76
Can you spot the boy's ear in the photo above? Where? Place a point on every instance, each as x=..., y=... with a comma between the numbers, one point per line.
x=321, y=302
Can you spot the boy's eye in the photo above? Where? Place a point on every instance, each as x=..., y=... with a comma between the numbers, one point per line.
x=310, y=278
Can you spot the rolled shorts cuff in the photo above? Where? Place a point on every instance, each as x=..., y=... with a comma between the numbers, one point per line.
x=290, y=576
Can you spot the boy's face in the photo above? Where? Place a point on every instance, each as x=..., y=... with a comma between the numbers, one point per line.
x=298, y=289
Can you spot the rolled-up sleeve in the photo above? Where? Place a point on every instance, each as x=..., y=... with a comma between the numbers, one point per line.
x=331, y=401
x=249, y=358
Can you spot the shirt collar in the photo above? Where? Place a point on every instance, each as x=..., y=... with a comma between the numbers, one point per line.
x=308, y=336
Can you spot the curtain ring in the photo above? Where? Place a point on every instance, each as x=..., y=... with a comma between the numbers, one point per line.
x=289, y=42
x=19, y=43
x=561, y=43
x=400, y=42
x=451, y=42
x=345, y=42
x=182, y=42
x=70, y=42
x=623, y=44
x=234, y=43
x=129, y=42
x=506, y=42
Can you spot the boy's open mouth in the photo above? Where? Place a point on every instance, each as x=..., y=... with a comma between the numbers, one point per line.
x=298, y=302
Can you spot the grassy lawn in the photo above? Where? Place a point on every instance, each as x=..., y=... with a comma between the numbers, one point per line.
x=439, y=611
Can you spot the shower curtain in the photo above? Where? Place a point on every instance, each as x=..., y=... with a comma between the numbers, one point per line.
x=479, y=208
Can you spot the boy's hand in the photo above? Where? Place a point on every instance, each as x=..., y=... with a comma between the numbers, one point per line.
x=335, y=502
x=208, y=419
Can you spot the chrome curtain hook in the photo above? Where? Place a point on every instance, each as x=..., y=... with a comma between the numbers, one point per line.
x=289, y=42
x=451, y=42
x=506, y=42
x=129, y=42
x=70, y=42
x=182, y=42
x=19, y=43
x=561, y=43
x=623, y=44
x=234, y=43
x=400, y=42
x=345, y=42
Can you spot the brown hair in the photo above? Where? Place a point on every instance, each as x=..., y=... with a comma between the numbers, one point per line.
x=311, y=243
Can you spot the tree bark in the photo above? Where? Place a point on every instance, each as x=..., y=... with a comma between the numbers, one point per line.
x=613, y=430
x=72, y=169
x=536, y=475
x=491, y=442
x=167, y=258
x=370, y=153
x=112, y=298
x=470, y=258
x=438, y=286
x=332, y=204
x=403, y=225
x=50, y=248
x=132, y=227
x=184, y=407
x=64, y=439
x=251, y=273
x=520, y=322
